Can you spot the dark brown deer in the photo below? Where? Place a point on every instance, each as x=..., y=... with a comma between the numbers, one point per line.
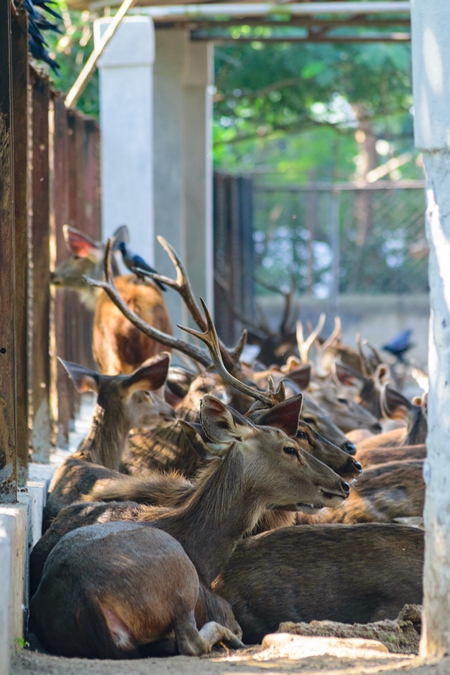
x=172, y=490
x=118, y=346
x=123, y=402
x=110, y=589
x=384, y=493
x=310, y=573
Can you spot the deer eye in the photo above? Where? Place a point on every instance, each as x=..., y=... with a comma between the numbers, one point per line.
x=302, y=434
x=289, y=450
x=309, y=420
x=343, y=400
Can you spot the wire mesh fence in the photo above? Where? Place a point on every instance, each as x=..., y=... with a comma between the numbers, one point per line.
x=342, y=238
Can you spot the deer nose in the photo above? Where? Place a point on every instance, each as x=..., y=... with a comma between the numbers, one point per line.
x=349, y=447
x=357, y=466
x=345, y=487
x=376, y=428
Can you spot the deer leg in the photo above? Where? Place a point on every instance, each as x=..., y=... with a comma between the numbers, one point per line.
x=194, y=642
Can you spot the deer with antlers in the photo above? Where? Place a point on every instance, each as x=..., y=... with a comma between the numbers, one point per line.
x=117, y=345
x=111, y=589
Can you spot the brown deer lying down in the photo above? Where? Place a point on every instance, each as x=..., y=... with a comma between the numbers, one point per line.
x=397, y=407
x=172, y=490
x=372, y=456
x=314, y=572
x=118, y=346
x=112, y=588
x=123, y=402
x=385, y=492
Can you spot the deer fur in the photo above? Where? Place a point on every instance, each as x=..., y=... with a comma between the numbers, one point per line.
x=172, y=490
x=109, y=589
x=412, y=414
x=385, y=492
x=314, y=573
x=372, y=456
x=117, y=345
x=122, y=402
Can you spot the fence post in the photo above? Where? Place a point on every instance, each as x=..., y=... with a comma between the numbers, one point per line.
x=8, y=440
x=41, y=428
x=19, y=25
x=63, y=296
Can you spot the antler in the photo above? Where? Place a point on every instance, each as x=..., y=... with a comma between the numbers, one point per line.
x=194, y=352
x=210, y=338
x=305, y=345
x=183, y=287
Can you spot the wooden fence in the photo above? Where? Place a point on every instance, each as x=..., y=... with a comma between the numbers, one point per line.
x=49, y=176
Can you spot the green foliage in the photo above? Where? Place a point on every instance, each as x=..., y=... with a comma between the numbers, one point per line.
x=71, y=51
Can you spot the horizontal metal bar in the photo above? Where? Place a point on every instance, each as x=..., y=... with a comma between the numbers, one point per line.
x=300, y=22
x=207, y=11
x=204, y=36
x=344, y=187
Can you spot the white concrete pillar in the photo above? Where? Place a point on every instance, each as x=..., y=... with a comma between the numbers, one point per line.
x=126, y=130
x=183, y=160
x=431, y=81
x=5, y=601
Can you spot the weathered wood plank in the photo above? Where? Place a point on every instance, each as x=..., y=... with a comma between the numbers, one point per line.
x=41, y=426
x=65, y=391
x=8, y=432
x=21, y=217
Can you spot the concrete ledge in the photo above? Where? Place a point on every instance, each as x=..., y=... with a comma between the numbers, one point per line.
x=5, y=601
x=14, y=520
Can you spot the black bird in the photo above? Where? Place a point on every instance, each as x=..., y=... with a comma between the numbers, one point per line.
x=133, y=260
x=400, y=344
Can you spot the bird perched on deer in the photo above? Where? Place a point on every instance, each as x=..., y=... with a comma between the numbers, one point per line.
x=133, y=261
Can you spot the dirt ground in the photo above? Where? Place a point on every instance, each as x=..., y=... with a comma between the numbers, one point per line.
x=266, y=661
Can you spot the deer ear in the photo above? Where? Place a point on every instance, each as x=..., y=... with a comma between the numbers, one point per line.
x=395, y=405
x=284, y=416
x=82, y=246
x=221, y=423
x=151, y=375
x=301, y=376
x=382, y=374
x=198, y=441
x=83, y=378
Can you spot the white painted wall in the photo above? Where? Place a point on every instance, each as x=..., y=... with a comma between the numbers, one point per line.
x=126, y=130
x=183, y=160
x=431, y=81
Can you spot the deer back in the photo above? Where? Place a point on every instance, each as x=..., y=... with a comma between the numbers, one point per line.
x=284, y=575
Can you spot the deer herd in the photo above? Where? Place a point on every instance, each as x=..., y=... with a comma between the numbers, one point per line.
x=209, y=504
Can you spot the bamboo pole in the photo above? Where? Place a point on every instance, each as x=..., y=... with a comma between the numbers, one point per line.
x=91, y=64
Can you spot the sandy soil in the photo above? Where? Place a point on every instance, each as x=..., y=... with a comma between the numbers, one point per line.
x=234, y=663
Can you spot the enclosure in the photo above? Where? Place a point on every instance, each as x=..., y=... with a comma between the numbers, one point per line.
x=253, y=248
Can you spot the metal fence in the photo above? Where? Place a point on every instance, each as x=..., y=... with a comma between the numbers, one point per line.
x=49, y=176
x=342, y=238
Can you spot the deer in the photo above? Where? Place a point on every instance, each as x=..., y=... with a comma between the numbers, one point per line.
x=110, y=589
x=313, y=573
x=163, y=448
x=396, y=406
x=385, y=492
x=118, y=346
x=173, y=490
x=123, y=402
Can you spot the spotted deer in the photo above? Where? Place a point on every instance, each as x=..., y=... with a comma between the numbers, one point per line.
x=112, y=589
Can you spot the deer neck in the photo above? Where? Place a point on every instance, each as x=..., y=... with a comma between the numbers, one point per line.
x=106, y=439
x=222, y=508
